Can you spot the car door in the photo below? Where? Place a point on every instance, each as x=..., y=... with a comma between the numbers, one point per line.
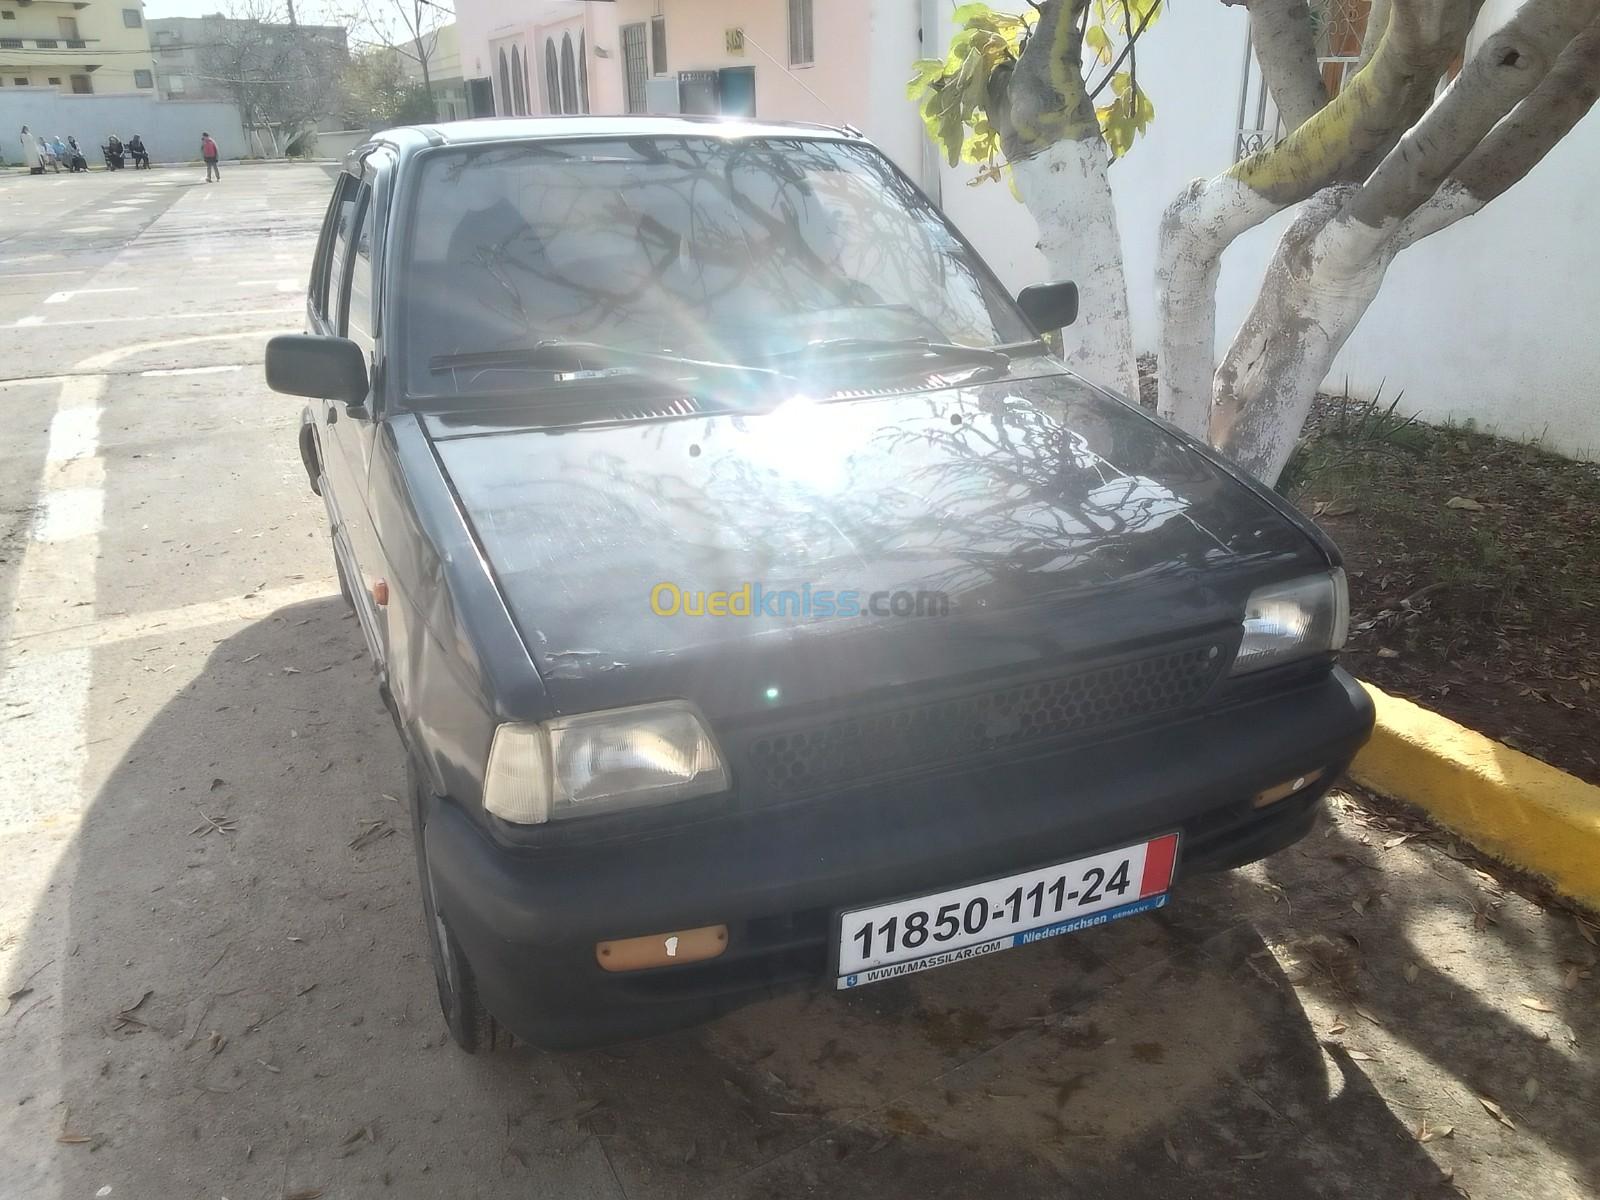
x=349, y=432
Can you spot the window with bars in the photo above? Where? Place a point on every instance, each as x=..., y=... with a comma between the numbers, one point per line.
x=802, y=34
x=1340, y=28
x=635, y=69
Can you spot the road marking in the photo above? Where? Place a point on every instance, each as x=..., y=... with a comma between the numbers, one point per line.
x=56, y=575
x=63, y=297
x=198, y=316
x=218, y=370
x=127, y=627
x=38, y=274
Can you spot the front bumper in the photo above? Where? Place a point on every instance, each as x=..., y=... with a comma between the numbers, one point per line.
x=528, y=921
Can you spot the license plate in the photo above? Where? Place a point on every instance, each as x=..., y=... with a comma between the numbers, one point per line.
x=906, y=936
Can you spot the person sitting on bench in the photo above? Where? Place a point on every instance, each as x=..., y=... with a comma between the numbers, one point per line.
x=113, y=152
x=141, y=156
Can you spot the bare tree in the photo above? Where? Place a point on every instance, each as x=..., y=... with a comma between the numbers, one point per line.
x=283, y=77
x=408, y=28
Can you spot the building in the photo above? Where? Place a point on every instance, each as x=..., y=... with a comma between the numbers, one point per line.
x=443, y=50
x=76, y=46
x=187, y=49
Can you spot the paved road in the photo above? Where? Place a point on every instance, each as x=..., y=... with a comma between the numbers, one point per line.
x=219, y=988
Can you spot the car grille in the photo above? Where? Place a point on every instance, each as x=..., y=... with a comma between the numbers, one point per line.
x=1047, y=710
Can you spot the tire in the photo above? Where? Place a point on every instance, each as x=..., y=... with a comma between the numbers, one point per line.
x=471, y=1025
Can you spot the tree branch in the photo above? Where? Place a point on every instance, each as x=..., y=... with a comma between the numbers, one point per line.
x=1046, y=100
x=1504, y=72
x=1519, y=143
x=1286, y=47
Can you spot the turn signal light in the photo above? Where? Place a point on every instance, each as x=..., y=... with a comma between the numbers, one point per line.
x=1287, y=788
x=380, y=593
x=662, y=949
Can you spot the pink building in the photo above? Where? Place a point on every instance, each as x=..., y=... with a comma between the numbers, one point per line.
x=833, y=61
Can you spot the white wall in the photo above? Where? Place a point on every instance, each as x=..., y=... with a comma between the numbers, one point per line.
x=1492, y=320
x=170, y=128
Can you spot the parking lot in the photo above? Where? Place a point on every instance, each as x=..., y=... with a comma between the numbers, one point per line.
x=211, y=942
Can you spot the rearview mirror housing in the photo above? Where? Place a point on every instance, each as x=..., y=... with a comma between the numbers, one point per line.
x=1050, y=305
x=324, y=368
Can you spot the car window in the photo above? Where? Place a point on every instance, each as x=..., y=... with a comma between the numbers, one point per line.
x=359, y=321
x=332, y=285
x=731, y=249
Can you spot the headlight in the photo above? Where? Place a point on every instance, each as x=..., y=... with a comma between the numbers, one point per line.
x=601, y=762
x=1295, y=620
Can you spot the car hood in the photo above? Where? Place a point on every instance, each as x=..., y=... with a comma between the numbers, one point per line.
x=1054, y=520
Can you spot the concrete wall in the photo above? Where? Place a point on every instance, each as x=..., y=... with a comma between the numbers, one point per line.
x=171, y=128
x=484, y=25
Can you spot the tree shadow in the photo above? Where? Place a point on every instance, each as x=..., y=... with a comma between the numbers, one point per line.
x=236, y=999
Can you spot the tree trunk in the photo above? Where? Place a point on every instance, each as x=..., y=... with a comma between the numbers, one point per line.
x=1051, y=139
x=1342, y=141
x=1332, y=261
x=1066, y=188
x=1281, y=32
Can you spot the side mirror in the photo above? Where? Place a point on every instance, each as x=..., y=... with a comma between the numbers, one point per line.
x=1050, y=305
x=324, y=368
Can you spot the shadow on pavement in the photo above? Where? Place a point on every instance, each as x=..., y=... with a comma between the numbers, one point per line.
x=246, y=1009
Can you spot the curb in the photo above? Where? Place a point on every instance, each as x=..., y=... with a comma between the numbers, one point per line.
x=1513, y=807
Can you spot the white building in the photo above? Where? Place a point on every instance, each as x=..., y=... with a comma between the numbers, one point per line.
x=1489, y=321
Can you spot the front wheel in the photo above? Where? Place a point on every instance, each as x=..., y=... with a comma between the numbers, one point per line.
x=471, y=1025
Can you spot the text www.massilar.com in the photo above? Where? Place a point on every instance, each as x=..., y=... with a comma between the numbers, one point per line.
x=755, y=600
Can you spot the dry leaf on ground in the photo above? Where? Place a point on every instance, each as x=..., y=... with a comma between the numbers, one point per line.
x=1495, y=1111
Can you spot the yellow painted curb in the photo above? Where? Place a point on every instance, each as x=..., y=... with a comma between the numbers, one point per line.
x=1509, y=805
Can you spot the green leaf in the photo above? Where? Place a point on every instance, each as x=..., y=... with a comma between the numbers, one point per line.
x=1096, y=38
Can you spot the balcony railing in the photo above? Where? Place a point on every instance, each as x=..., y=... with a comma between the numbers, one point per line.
x=16, y=43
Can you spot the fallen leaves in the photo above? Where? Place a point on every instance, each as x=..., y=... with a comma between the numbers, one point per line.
x=1534, y=1003
x=1463, y=503
x=1495, y=1111
x=311, y=1193
x=1433, y=1133
x=218, y=825
x=1412, y=970
x=373, y=831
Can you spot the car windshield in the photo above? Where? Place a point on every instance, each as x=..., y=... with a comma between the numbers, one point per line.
x=722, y=250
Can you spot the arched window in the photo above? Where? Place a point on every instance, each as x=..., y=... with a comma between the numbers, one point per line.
x=521, y=105
x=583, y=75
x=552, y=77
x=527, y=88
x=569, y=76
x=505, y=83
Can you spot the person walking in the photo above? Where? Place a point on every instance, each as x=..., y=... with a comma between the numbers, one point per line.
x=208, y=151
x=32, y=156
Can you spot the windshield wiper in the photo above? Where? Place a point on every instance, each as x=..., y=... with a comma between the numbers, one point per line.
x=937, y=352
x=583, y=358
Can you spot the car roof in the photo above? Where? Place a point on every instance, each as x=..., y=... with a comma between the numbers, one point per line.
x=410, y=138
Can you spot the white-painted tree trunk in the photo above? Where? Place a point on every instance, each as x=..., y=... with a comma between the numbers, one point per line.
x=1196, y=228
x=1067, y=189
x=1324, y=276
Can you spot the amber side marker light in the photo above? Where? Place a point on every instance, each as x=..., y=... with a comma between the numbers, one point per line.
x=380, y=593
x=662, y=949
x=1287, y=788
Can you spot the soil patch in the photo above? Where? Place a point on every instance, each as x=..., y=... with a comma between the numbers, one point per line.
x=1474, y=566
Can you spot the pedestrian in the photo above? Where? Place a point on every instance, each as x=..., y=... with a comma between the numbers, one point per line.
x=32, y=156
x=79, y=162
x=48, y=153
x=208, y=151
x=59, y=149
x=141, y=156
x=114, y=154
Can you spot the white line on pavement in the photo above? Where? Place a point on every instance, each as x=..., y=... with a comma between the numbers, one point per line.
x=217, y=370
x=198, y=316
x=63, y=297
